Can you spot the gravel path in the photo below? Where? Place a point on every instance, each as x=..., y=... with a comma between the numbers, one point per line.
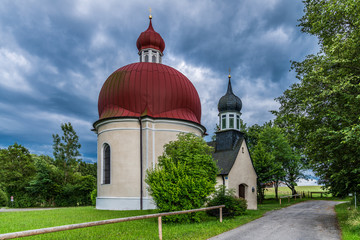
x=23, y=209
x=311, y=220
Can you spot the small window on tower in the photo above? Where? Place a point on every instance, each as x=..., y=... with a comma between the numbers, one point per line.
x=154, y=59
x=106, y=164
x=231, y=121
x=146, y=58
x=223, y=121
x=238, y=122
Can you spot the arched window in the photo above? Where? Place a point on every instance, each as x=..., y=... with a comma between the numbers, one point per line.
x=106, y=164
x=237, y=122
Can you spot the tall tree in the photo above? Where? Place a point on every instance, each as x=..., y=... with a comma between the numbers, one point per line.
x=66, y=150
x=322, y=108
x=46, y=184
x=275, y=160
x=17, y=170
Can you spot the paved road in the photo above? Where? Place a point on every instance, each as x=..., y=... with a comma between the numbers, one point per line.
x=311, y=220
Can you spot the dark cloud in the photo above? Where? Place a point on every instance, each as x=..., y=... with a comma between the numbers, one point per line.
x=55, y=56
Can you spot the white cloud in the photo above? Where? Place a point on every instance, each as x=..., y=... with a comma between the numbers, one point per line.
x=310, y=182
x=13, y=66
x=279, y=36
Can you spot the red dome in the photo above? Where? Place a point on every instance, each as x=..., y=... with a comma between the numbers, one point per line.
x=149, y=89
x=150, y=39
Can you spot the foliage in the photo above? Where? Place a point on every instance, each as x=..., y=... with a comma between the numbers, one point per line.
x=4, y=198
x=184, y=177
x=274, y=159
x=40, y=180
x=46, y=183
x=234, y=206
x=93, y=197
x=66, y=151
x=252, y=135
x=321, y=110
x=87, y=169
x=17, y=169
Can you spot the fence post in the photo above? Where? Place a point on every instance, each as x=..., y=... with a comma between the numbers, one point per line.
x=160, y=228
x=220, y=214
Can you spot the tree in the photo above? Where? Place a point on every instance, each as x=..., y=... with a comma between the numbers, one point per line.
x=17, y=170
x=275, y=160
x=66, y=150
x=46, y=184
x=322, y=108
x=184, y=176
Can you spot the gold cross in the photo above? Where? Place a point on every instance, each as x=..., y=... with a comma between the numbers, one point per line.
x=150, y=13
x=229, y=72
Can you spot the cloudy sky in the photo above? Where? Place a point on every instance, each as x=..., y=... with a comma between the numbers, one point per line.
x=55, y=56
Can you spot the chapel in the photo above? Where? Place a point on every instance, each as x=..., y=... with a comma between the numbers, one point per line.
x=142, y=106
x=230, y=150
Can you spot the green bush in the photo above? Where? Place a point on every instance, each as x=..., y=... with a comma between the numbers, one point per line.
x=3, y=198
x=184, y=177
x=93, y=197
x=234, y=206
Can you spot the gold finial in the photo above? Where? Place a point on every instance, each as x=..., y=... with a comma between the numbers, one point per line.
x=229, y=72
x=150, y=17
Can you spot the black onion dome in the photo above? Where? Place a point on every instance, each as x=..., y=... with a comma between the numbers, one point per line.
x=229, y=102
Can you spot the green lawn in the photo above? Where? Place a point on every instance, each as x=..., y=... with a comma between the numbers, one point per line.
x=141, y=229
x=349, y=221
x=270, y=192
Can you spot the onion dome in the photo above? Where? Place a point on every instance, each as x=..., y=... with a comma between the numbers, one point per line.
x=149, y=89
x=150, y=39
x=229, y=102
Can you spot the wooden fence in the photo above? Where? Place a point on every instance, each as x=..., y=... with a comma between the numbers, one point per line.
x=103, y=222
x=288, y=197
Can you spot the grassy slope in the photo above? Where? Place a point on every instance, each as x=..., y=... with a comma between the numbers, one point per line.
x=349, y=221
x=142, y=229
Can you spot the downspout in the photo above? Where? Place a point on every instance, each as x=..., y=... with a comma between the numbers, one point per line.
x=141, y=166
x=223, y=179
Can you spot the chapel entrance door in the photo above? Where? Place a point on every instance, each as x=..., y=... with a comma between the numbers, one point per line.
x=242, y=190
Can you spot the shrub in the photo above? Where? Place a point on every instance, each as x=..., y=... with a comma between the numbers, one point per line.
x=184, y=177
x=93, y=197
x=3, y=198
x=234, y=206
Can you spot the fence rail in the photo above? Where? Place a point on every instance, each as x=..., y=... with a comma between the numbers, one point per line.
x=289, y=196
x=103, y=222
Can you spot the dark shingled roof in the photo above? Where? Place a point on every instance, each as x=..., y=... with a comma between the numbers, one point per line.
x=226, y=158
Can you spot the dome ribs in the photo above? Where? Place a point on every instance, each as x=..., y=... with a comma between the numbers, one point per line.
x=157, y=90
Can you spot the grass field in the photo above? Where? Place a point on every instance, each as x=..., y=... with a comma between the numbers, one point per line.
x=349, y=221
x=141, y=229
x=283, y=191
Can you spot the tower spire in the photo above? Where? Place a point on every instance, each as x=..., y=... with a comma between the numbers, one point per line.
x=229, y=90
